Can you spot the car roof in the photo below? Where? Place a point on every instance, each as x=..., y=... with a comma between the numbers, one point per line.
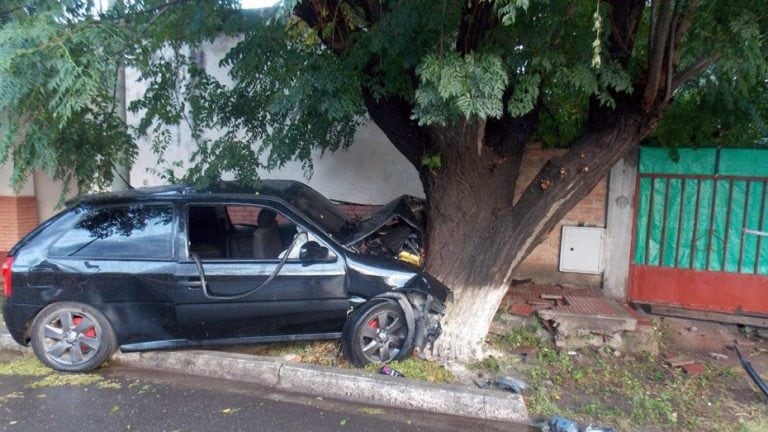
x=279, y=189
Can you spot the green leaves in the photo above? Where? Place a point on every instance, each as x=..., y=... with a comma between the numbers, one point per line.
x=471, y=85
x=524, y=95
x=508, y=10
x=57, y=81
x=289, y=97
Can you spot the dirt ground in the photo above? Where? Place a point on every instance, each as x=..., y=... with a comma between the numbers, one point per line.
x=698, y=339
x=640, y=391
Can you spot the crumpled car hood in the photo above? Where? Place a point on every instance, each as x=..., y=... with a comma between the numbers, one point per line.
x=405, y=207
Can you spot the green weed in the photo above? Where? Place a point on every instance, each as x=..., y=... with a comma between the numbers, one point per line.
x=418, y=369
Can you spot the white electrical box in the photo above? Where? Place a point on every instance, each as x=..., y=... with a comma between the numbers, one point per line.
x=581, y=249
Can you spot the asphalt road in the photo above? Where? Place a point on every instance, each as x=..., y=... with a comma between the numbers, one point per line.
x=120, y=398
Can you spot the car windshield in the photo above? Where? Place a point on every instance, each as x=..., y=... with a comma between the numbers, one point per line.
x=319, y=209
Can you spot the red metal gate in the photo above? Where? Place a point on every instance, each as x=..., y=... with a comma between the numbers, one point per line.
x=701, y=240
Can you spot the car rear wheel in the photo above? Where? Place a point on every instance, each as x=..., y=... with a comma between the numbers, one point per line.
x=375, y=333
x=72, y=337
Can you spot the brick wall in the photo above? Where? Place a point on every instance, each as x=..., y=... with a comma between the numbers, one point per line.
x=356, y=211
x=243, y=214
x=19, y=216
x=542, y=264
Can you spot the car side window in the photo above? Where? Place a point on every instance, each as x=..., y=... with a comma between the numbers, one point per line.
x=135, y=231
x=244, y=232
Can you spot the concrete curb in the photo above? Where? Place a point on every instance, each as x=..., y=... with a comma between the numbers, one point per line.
x=348, y=385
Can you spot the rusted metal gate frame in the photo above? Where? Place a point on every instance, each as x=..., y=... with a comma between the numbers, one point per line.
x=708, y=289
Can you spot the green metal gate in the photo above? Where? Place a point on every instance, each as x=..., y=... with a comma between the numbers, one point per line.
x=700, y=231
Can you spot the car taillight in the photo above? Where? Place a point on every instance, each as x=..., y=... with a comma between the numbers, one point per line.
x=7, y=276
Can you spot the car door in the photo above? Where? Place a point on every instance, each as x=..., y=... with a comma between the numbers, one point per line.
x=119, y=259
x=257, y=295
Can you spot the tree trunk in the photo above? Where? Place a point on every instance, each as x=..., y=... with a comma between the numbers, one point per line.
x=477, y=237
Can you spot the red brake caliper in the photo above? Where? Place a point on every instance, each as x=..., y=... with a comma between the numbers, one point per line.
x=374, y=323
x=90, y=332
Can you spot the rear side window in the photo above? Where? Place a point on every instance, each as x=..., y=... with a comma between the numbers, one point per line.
x=137, y=231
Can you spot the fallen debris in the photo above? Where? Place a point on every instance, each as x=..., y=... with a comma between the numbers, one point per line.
x=694, y=368
x=521, y=309
x=562, y=424
x=386, y=370
x=292, y=358
x=678, y=361
x=718, y=356
x=752, y=372
x=506, y=383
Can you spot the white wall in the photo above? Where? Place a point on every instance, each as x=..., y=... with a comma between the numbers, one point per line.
x=371, y=171
x=5, y=183
x=48, y=192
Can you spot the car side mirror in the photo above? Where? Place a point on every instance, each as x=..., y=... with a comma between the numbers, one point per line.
x=312, y=251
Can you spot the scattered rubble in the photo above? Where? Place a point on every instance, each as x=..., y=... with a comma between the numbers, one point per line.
x=678, y=361
x=718, y=356
x=578, y=318
x=694, y=368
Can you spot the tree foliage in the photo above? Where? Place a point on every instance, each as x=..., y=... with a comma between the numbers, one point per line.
x=303, y=77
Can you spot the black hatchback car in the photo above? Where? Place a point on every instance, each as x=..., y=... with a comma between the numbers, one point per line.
x=174, y=267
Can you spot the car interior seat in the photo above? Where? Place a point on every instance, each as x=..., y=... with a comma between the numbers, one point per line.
x=205, y=236
x=266, y=237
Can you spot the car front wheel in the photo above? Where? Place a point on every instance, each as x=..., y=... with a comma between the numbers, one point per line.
x=72, y=337
x=375, y=333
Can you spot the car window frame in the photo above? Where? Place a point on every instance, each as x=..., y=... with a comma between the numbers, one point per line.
x=91, y=210
x=185, y=256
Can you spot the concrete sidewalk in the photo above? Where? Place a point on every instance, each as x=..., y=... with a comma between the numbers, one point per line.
x=342, y=384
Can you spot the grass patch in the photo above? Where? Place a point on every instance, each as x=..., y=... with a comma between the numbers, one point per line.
x=325, y=353
x=372, y=411
x=31, y=367
x=636, y=392
x=418, y=369
x=328, y=353
x=58, y=380
x=25, y=366
x=526, y=336
x=489, y=364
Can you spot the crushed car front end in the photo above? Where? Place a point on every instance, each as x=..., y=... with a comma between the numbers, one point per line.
x=421, y=297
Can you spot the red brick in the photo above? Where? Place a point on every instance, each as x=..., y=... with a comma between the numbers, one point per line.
x=19, y=218
x=693, y=368
x=590, y=212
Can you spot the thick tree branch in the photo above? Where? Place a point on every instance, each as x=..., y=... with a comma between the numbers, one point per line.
x=306, y=11
x=657, y=50
x=373, y=10
x=12, y=10
x=625, y=16
x=509, y=135
x=393, y=116
x=671, y=53
x=310, y=11
x=692, y=70
x=683, y=24
x=477, y=19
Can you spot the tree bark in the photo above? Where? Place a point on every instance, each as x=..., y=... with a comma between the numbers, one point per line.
x=478, y=238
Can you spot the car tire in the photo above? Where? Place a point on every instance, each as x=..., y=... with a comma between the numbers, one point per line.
x=72, y=337
x=375, y=333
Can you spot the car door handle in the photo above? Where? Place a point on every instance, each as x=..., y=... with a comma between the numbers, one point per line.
x=191, y=283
